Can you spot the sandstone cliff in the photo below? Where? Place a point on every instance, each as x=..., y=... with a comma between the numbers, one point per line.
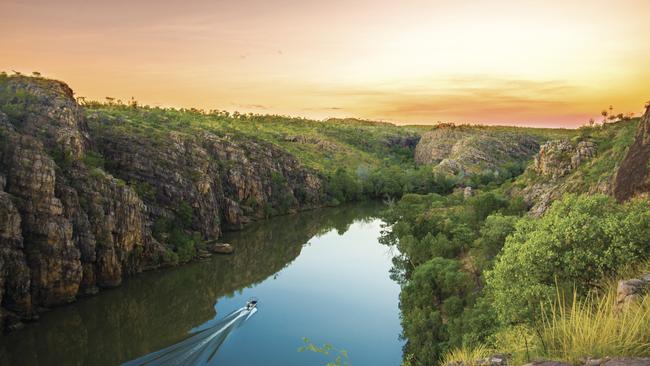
x=593, y=161
x=466, y=149
x=71, y=223
x=633, y=176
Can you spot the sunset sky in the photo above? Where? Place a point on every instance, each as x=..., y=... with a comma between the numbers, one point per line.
x=536, y=63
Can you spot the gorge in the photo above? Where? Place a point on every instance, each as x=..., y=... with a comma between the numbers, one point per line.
x=94, y=193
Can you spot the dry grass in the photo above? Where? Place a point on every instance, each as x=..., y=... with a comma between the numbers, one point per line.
x=573, y=329
x=466, y=356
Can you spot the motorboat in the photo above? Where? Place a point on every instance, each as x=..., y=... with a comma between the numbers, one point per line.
x=251, y=304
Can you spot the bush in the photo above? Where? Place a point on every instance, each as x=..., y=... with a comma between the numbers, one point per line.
x=436, y=291
x=94, y=159
x=493, y=234
x=577, y=242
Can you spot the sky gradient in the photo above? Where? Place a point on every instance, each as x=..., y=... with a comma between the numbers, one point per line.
x=536, y=63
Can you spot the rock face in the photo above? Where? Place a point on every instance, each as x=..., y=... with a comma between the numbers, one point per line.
x=69, y=226
x=556, y=159
x=633, y=176
x=560, y=157
x=465, y=150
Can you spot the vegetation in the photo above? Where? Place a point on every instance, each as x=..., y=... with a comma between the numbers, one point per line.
x=178, y=232
x=579, y=241
x=571, y=329
x=449, y=244
x=480, y=277
x=465, y=356
x=340, y=355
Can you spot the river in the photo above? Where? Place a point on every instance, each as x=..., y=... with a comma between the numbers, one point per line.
x=318, y=274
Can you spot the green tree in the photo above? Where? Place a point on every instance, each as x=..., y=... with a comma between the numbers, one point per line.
x=577, y=242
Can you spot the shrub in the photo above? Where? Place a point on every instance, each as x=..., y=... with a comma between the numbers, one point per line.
x=493, y=234
x=94, y=159
x=577, y=242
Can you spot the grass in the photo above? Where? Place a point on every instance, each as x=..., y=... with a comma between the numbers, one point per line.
x=574, y=329
x=320, y=145
x=612, y=142
x=466, y=356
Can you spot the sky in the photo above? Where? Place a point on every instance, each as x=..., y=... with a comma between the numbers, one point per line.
x=511, y=62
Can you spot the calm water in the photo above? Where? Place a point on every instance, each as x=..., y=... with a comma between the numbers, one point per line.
x=319, y=274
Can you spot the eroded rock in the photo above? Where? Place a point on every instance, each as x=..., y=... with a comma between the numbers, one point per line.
x=560, y=157
x=629, y=291
x=633, y=175
x=467, y=150
x=70, y=226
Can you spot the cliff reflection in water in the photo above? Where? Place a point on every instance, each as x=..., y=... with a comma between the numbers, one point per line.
x=156, y=309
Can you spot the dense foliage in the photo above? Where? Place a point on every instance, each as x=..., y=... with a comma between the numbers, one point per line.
x=445, y=242
x=449, y=243
x=577, y=242
x=475, y=268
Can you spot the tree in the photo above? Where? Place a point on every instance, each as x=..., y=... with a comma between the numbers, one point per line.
x=577, y=242
x=604, y=114
x=434, y=294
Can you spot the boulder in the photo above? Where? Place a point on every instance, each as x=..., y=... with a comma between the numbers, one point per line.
x=220, y=248
x=632, y=290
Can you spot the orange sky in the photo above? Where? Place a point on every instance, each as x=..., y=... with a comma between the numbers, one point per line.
x=538, y=63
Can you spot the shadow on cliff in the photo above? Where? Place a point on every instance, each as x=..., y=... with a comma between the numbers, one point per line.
x=159, y=308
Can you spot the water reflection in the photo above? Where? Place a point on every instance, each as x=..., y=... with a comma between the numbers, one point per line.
x=157, y=309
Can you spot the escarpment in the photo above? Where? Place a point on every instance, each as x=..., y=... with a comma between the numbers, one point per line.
x=552, y=168
x=633, y=176
x=467, y=150
x=83, y=204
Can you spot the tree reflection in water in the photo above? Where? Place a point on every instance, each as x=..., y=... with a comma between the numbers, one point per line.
x=155, y=309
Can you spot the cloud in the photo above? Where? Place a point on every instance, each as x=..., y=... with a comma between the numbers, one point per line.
x=464, y=99
x=251, y=106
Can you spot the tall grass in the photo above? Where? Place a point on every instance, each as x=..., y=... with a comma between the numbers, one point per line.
x=466, y=356
x=572, y=329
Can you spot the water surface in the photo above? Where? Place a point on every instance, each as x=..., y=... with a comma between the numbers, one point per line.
x=320, y=274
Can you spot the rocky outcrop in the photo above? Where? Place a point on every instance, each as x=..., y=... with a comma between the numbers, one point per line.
x=466, y=150
x=556, y=160
x=633, y=175
x=629, y=291
x=83, y=204
x=560, y=157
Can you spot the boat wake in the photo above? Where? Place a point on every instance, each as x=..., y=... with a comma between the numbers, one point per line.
x=202, y=345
